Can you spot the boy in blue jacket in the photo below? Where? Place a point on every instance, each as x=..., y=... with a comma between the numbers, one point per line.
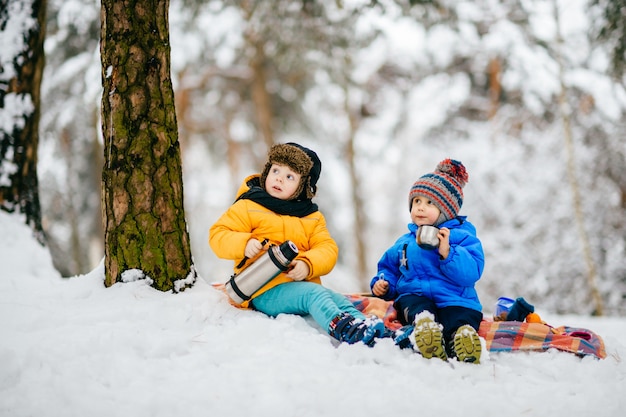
x=433, y=289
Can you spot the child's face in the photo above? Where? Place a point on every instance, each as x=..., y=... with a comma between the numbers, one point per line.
x=282, y=182
x=423, y=211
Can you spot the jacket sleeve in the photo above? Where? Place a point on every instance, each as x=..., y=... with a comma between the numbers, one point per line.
x=464, y=265
x=230, y=233
x=388, y=269
x=323, y=250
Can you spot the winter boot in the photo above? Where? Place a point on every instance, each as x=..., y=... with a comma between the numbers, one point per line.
x=402, y=336
x=375, y=329
x=347, y=328
x=466, y=344
x=428, y=337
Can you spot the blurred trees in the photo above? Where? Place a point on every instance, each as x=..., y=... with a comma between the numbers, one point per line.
x=612, y=29
x=22, y=33
x=382, y=90
x=532, y=83
x=279, y=56
x=71, y=150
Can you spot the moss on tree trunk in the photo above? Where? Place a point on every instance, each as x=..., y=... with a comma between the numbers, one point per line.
x=142, y=189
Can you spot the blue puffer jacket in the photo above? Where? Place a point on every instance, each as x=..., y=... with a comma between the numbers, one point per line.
x=410, y=269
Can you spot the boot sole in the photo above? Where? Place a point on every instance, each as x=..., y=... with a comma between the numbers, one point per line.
x=429, y=339
x=467, y=344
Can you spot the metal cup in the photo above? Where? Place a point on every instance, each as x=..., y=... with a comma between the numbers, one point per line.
x=426, y=237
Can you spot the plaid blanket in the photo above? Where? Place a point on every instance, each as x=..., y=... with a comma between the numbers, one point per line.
x=504, y=336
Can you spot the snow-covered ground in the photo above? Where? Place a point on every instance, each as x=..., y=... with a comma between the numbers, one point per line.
x=70, y=347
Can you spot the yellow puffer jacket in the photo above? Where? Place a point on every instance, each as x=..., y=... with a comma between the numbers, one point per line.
x=246, y=219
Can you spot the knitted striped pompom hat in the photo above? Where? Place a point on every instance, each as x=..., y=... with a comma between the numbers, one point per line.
x=443, y=187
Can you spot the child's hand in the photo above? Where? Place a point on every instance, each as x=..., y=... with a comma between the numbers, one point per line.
x=299, y=271
x=253, y=247
x=380, y=288
x=444, y=242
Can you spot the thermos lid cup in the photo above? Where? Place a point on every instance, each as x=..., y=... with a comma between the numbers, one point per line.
x=426, y=237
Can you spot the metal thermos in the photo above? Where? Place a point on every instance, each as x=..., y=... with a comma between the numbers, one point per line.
x=275, y=260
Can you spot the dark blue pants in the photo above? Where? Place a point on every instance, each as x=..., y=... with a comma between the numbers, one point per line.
x=451, y=318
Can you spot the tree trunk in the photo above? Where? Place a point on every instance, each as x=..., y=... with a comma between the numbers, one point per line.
x=20, y=81
x=494, y=70
x=360, y=220
x=261, y=99
x=565, y=110
x=142, y=189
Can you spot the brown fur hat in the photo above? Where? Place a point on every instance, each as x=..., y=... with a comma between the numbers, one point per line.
x=302, y=160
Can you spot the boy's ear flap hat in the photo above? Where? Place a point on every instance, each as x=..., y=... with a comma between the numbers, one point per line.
x=443, y=187
x=302, y=160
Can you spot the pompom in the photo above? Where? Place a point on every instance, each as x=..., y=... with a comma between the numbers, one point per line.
x=454, y=169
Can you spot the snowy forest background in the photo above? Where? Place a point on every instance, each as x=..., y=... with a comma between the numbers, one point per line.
x=522, y=92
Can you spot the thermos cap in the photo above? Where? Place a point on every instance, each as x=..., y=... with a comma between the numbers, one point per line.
x=289, y=249
x=283, y=254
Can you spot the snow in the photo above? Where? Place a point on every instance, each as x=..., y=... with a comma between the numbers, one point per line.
x=71, y=347
x=11, y=41
x=16, y=108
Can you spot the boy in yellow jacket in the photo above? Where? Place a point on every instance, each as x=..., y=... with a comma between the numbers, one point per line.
x=276, y=206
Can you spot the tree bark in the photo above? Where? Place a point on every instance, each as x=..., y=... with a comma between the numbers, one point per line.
x=20, y=82
x=142, y=189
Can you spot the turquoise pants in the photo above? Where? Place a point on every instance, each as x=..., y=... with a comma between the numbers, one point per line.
x=302, y=298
